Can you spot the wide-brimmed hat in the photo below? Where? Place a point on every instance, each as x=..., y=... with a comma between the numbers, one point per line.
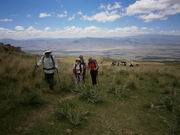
x=47, y=51
x=78, y=59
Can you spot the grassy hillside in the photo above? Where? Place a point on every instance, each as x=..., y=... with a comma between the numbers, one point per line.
x=128, y=101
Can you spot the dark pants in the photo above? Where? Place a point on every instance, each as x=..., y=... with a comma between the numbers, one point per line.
x=78, y=78
x=94, y=74
x=49, y=78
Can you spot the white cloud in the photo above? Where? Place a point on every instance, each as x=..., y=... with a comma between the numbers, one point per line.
x=73, y=31
x=108, y=13
x=109, y=7
x=102, y=17
x=71, y=18
x=6, y=20
x=28, y=16
x=79, y=13
x=31, y=29
x=47, y=28
x=150, y=10
x=19, y=28
x=62, y=15
x=43, y=15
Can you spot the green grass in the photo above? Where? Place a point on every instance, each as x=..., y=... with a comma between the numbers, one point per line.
x=139, y=100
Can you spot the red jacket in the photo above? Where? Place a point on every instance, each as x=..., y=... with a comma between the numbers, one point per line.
x=92, y=65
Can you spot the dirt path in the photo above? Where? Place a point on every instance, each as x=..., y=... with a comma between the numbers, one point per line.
x=41, y=113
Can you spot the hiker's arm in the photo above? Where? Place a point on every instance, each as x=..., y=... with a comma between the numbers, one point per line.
x=39, y=62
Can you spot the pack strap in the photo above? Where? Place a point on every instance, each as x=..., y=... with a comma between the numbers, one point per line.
x=52, y=62
x=49, y=68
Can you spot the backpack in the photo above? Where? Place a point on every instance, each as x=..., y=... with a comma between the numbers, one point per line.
x=94, y=62
x=52, y=61
x=74, y=70
x=83, y=64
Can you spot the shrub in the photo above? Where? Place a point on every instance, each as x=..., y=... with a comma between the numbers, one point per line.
x=91, y=95
x=69, y=111
x=130, y=85
x=168, y=102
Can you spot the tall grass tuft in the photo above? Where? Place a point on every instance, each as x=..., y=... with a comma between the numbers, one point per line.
x=68, y=110
x=91, y=94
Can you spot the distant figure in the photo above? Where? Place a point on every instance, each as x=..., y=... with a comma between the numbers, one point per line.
x=49, y=67
x=78, y=71
x=123, y=63
x=131, y=65
x=118, y=63
x=82, y=62
x=113, y=63
x=93, y=66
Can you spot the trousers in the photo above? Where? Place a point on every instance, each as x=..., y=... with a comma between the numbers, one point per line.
x=94, y=74
x=49, y=78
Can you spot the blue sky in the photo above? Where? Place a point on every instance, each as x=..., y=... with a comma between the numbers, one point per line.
x=78, y=18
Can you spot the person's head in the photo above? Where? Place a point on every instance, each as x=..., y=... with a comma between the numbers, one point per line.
x=81, y=57
x=47, y=53
x=78, y=60
x=90, y=59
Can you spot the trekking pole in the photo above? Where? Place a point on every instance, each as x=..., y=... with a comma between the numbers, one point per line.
x=34, y=71
x=58, y=75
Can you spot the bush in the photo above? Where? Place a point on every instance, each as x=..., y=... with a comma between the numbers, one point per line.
x=130, y=85
x=168, y=102
x=91, y=95
x=69, y=111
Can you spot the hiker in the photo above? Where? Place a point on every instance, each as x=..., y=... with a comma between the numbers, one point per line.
x=131, y=65
x=93, y=66
x=82, y=62
x=78, y=71
x=49, y=67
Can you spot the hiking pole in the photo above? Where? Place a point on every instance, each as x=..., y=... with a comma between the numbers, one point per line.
x=34, y=71
x=58, y=75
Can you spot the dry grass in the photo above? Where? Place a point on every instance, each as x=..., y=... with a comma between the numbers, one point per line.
x=135, y=107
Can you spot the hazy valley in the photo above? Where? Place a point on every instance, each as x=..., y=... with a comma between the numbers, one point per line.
x=147, y=47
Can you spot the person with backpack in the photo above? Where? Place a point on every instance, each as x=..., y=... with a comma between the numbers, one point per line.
x=49, y=67
x=93, y=66
x=82, y=62
x=78, y=71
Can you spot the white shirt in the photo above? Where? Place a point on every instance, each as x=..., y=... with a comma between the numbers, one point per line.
x=48, y=65
x=77, y=68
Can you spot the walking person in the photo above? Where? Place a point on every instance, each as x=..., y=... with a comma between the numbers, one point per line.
x=78, y=71
x=82, y=62
x=93, y=66
x=49, y=66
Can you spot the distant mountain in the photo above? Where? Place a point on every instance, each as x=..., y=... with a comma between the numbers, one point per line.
x=92, y=43
x=133, y=46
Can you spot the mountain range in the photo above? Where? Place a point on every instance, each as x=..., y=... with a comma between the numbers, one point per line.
x=133, y=47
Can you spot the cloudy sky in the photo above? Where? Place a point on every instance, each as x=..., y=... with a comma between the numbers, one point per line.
x=22, y=19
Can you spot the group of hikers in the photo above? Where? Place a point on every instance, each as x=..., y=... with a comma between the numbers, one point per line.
x=50, y=66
